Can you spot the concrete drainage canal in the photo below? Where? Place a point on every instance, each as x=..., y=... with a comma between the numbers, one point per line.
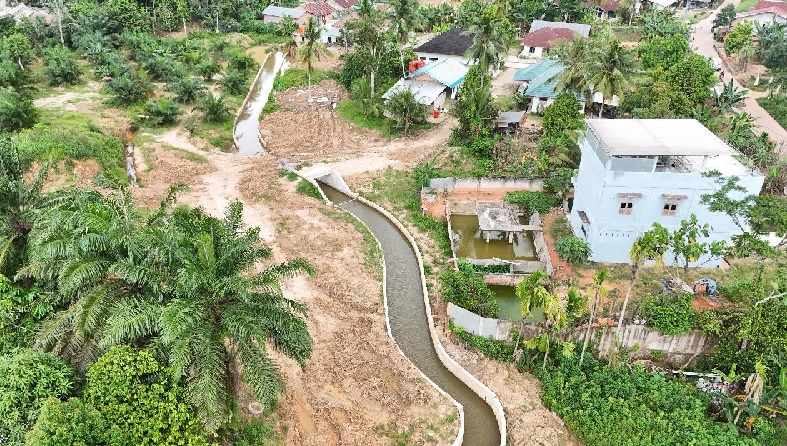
x=409, y=325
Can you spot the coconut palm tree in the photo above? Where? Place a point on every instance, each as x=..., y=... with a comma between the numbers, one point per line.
x=489, y=41
x=312, y=49
x=404, y=18
x=575, y=56
x=598, y=290
x=218, y=312
x=611, y=72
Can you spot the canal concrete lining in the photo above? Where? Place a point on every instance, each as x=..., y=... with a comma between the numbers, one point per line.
x=482, y=419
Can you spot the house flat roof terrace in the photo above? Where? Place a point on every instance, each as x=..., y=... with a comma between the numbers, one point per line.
x=657, y=137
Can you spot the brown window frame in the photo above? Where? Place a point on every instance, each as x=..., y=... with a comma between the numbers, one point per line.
x=669, y=210
x=626, y=207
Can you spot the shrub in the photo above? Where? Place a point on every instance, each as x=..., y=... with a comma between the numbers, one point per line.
x=128, y=88
x=573, y=250
x=207, y=69
x=530, y=201
x=16, y=110
x=61, y=67
x=213, y=108
x=161, y=112
x=186, y=89
x=163, y=68
x=234, y=82
x=71, y=423
x=670, y=314
x=468, y=290
x=238, y=60
x=605, y=405
x=29, y=378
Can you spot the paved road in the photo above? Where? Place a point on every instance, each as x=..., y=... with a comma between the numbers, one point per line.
x=703, y=44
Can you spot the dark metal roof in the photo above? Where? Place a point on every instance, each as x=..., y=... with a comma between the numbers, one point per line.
x=451, y=43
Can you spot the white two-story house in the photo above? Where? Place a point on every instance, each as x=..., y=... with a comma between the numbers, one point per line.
x=635, y=172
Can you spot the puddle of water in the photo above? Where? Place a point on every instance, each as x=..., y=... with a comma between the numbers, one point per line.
x=511, y=306
x=469, y=243
x=247, y=131
x=304, y=419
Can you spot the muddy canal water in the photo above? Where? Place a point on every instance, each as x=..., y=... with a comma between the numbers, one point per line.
x=409, y=325
x=247, y=129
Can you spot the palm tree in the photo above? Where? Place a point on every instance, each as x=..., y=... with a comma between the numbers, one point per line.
x=405, y=109
x=598, y=293
x=489, y=41
x=312, y=49
x=610, y=73
x=745, y=55
x=18, y=202
x=213, y=108
x=91, y=250
x=574, y=56
x=647, y=247
x=405, y=17
x=218, y=312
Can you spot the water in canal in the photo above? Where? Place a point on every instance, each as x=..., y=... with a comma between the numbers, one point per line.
x=409, y=325
x=247, y=130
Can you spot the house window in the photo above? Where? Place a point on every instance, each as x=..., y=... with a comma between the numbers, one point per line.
x=625, y=208
x=532, y=50
x=669, y=209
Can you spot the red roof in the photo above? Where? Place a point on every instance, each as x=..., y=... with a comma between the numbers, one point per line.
x=545, y=37
x=346, y=4
x=765, y=4
x=319, y=9
x=607, y=6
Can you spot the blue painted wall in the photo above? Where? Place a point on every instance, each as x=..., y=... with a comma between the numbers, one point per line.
x=611, y=234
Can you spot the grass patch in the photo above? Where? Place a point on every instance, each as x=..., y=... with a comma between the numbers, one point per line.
x=628, y=33
x=67, y=135
x=307, y=188
x=296, y=78
x=776, y=107
x=373, y=255
x=217, y=134
x=186, y=155
x=560, y=229
x=290, y=175
x=351, y=111
x=745, y=5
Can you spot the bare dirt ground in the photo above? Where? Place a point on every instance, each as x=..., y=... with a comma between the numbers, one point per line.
x=357, y=387
x=312, y=132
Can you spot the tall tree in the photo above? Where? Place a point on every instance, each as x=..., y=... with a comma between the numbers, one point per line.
x=610, y=75
x=491, y=37
x=404, y=17
x=59, y=11
x=217, y=313
x=312, y=48
x=599, y=292
x=650, y=246
x=575, y=56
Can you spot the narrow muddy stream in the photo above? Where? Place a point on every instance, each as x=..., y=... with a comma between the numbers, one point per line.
x=409, y=325
x=247, y=129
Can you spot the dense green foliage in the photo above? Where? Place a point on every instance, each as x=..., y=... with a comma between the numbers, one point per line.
x=405, y=110
x=161, y=112
x=621, y=406
x=29, y=378
x=669, y=313
x=70, y=423
x=475, y=109
x=573, y=250
x=738, y=38
x=61, y=67
x=776, y=107
x=531, y=201
x=498, y=350
x=16, y=110
x=307, y=188
x=21, y=310
x=468, y=290
x=128, y=88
